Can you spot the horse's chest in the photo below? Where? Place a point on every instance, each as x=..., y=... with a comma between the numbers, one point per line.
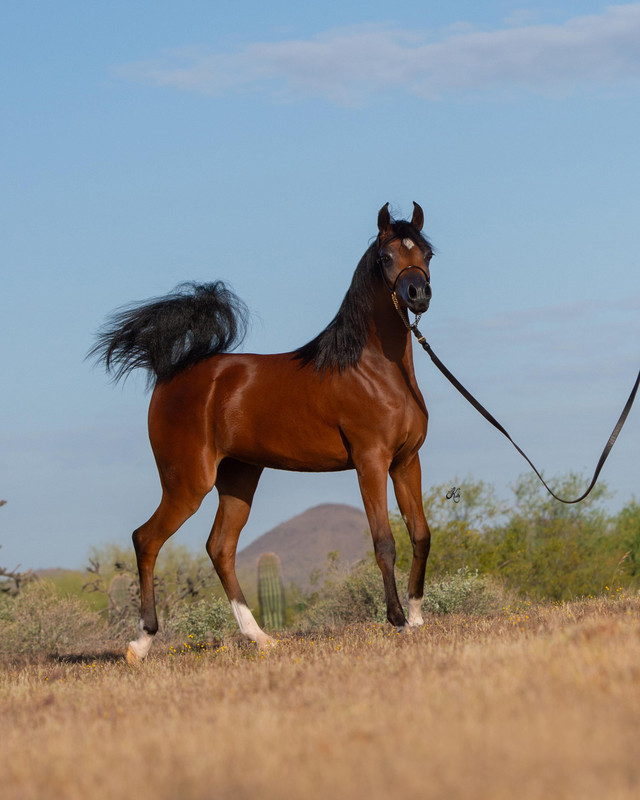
x=412, y=423
x=399, y=420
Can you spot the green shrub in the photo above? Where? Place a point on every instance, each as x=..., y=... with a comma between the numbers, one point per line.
x=204, y=620
x=38, y=620
x=355, y=597
x=466, y=592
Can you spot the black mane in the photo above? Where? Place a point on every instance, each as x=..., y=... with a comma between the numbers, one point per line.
x=340, y=345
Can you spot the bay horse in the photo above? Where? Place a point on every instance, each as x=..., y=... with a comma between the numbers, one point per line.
x=346, y=400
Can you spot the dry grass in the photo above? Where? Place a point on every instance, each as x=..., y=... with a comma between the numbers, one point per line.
x=540, y=703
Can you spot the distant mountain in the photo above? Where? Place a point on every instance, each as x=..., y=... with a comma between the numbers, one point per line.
x=304, y=542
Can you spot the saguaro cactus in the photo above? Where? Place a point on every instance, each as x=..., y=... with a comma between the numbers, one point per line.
x=270, y=591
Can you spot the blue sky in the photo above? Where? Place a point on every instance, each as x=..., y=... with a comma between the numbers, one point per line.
x=150, y=143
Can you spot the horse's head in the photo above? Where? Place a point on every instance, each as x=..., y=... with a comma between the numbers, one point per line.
x=404, y=256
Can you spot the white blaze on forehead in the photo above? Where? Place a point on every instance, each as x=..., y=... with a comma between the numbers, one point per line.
x=408, y=243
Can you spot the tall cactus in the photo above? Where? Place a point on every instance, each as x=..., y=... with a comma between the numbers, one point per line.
x=270, y=591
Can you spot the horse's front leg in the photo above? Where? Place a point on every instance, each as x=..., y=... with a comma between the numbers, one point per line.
x=407, y=485
x=372, y=477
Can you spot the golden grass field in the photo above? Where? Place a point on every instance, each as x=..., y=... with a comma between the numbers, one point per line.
x=540, y=702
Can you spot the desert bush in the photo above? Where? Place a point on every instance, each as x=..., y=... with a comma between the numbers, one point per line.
x=37, y=620
x=465, y=592
x=203, y=620
x=11, y=580
x=356, y=596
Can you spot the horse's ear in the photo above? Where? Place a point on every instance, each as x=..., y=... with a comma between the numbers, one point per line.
x=417, y=220
x=384, y=220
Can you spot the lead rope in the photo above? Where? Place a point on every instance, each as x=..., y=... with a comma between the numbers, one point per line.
x=490, y=418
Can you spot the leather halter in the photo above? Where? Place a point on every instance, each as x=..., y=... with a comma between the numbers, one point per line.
x=392, y=287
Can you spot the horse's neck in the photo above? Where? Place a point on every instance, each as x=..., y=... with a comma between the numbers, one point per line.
x=388, y=337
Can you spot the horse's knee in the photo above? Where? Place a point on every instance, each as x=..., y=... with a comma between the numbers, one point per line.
x=146, y=547
x=136, y=537
x=222, y=558
x=215, y=546
x=422, y=545
x=385, y=550
x=218, y=560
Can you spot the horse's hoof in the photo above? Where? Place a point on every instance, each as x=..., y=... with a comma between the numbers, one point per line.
x=133, y=659
x=267, y=643
x=138, y=648
x=405, y=629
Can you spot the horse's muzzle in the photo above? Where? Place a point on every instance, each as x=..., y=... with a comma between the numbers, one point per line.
x=414, y=289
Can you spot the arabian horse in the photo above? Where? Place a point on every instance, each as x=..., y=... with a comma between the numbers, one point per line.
x=346, y=400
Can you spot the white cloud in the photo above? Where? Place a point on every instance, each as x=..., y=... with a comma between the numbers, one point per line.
x=350, y=65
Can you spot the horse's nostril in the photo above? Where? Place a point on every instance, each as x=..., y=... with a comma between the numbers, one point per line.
x=412, y=292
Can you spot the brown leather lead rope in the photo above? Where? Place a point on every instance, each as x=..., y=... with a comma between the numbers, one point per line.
x=490, y=418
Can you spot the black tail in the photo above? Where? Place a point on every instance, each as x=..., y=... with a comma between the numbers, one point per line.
x=170, y=333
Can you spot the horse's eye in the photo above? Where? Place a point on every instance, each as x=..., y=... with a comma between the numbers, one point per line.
x=386, y=258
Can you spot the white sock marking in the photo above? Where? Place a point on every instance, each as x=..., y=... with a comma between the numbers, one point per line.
x=142, y=644
x=247, y=624
x=415, y=611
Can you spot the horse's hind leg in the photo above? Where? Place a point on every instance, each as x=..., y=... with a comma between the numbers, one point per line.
x=236, y=484
x=174, y=509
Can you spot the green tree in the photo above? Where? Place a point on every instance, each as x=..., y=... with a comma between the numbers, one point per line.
x=548, y=549
x=536, y=545
x=627, y=534
x=458, y=529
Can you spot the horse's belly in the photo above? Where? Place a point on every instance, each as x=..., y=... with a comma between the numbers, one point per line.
x=291, y=444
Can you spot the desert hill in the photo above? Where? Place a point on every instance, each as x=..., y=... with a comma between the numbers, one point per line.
x=304, y=542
